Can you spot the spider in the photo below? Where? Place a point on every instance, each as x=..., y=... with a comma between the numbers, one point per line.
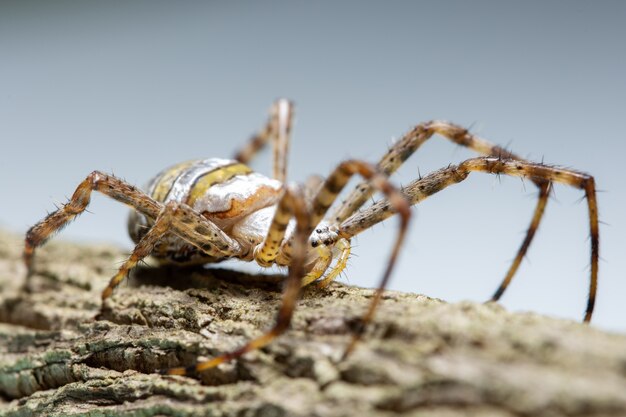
x=205, y=211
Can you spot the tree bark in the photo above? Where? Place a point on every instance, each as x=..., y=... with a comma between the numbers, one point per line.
x=421, y=356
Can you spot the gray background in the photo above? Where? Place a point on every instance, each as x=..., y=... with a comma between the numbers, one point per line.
x=131, y=87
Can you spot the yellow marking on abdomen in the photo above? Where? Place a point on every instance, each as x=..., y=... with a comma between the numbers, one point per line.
x=166, y=181
x=217, y=176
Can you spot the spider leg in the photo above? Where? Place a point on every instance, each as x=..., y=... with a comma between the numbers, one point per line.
x=125, y=193
x=143, y=248
x=420, y=189
x=298, y=208
x=311, y=187
x=266, y=253
x=277, y=128
x=328, y=194
x=275, y=245
x=406, y=146
x=544, y=193
x=180, y=219
x=338, y=179
x=416, y=137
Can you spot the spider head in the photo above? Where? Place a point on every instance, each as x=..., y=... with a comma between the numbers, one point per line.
x=324, y=234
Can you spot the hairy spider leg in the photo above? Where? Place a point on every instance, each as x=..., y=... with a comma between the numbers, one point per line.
x=333, y=185
x=266, y=253
x=542, y=200
x=293, y=201
x=416, y=137
x=422, y=188
x=218, y=244
x=189, y=225
x=277, y=128
x=275, y=244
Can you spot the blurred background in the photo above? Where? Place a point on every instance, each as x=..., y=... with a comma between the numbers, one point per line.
x=132, y=87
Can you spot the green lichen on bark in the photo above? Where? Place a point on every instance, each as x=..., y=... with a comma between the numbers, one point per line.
x=421, y=356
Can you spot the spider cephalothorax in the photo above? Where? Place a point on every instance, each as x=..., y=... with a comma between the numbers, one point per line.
x=209, y=210
x=324, y=234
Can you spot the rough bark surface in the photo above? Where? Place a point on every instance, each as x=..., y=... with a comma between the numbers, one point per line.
x=421, y=356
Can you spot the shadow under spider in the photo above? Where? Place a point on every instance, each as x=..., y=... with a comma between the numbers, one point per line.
x=200, y=277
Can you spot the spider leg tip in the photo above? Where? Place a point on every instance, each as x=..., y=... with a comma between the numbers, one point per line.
x=183, y=371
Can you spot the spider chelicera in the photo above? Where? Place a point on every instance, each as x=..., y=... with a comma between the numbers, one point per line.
x=208, y=210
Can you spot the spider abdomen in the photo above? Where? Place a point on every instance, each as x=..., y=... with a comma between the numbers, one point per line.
x=223, y=190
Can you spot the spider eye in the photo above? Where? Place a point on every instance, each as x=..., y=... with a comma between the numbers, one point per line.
x=318, y=230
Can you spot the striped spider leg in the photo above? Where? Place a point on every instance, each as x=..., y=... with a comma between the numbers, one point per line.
x=172, y=217
x=415, y=138
x=292, y=204
x=422, y=188
x=269, y=251
x=277, y=129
